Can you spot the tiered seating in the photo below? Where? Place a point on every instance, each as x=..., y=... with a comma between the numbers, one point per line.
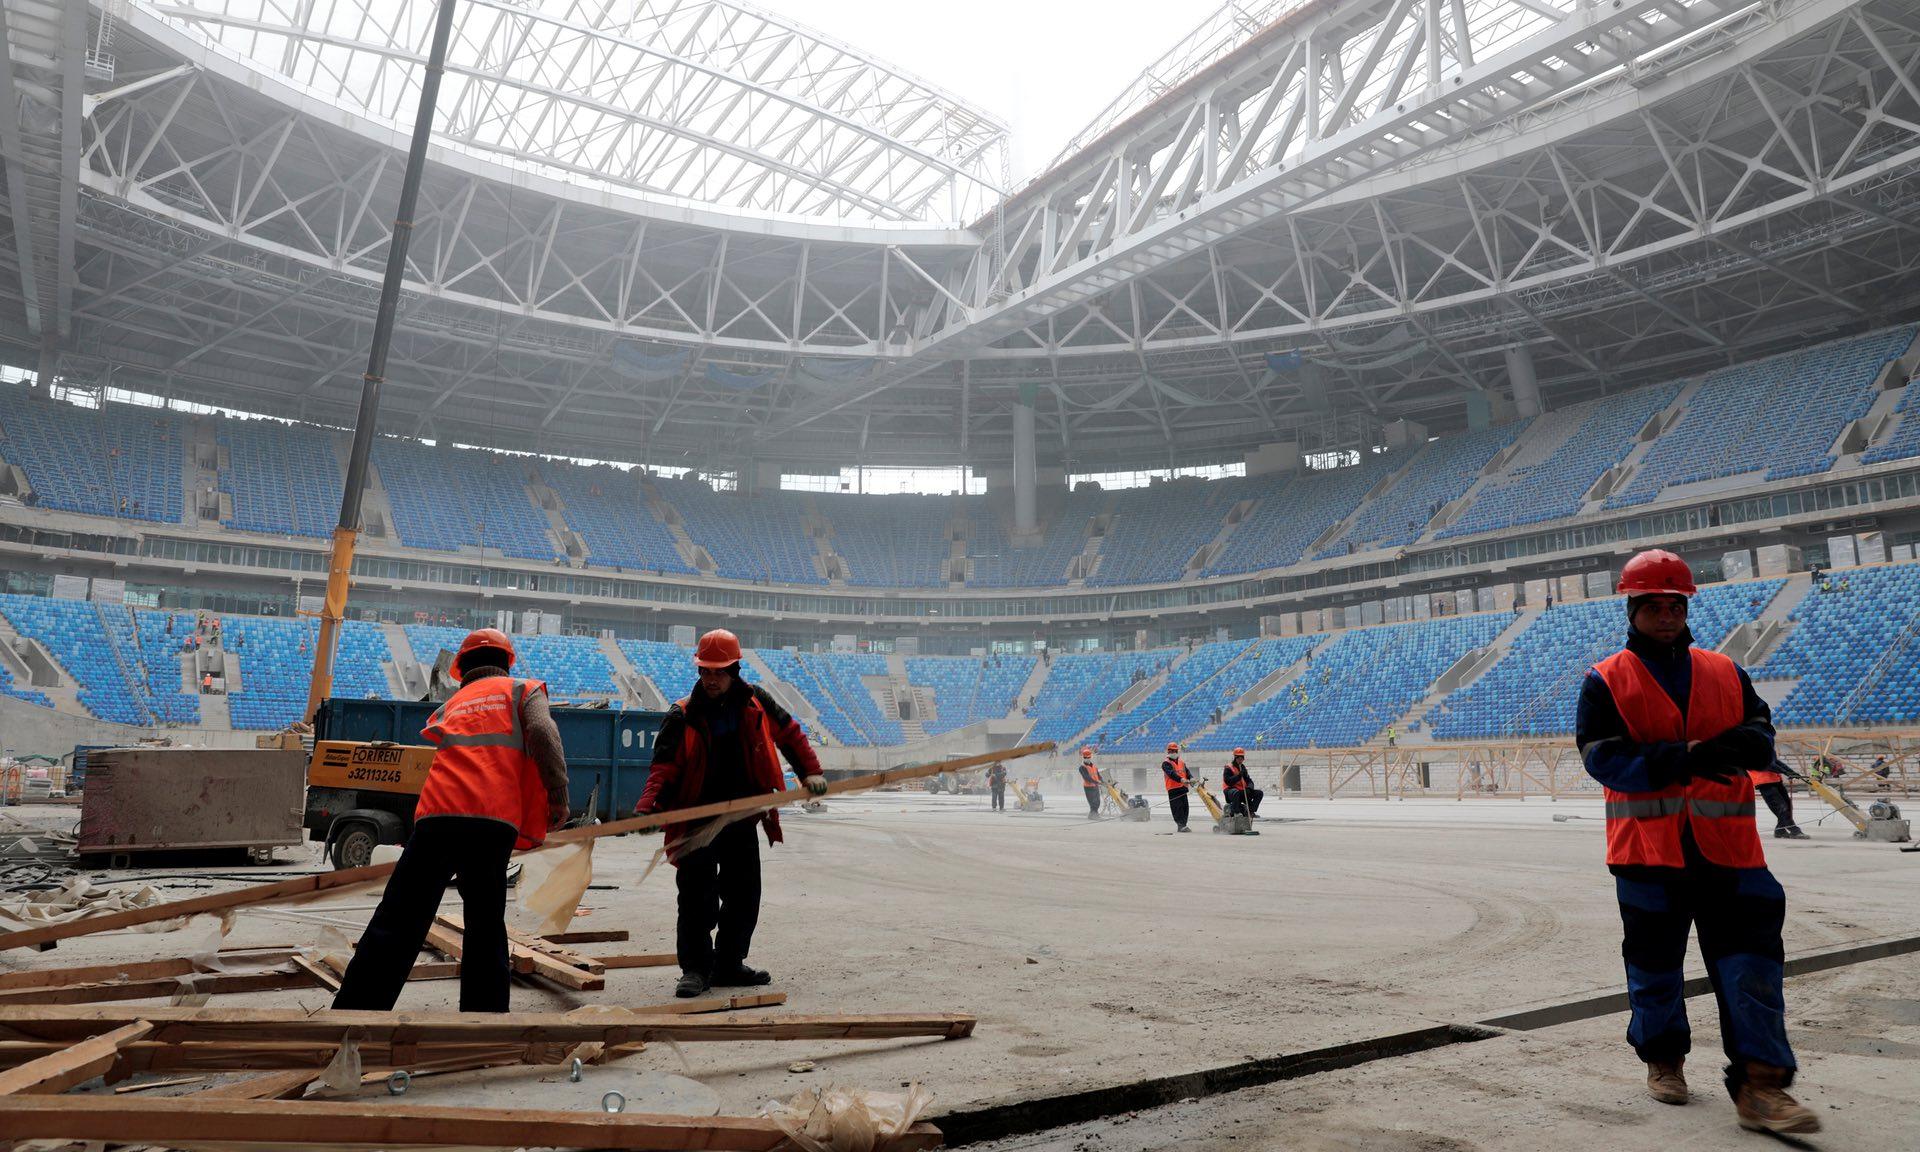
x=8, y=687
x=74, y=635
x=1905, y=439
x=1781, y=414
x=669, y=666
x=1080, y=685
x=758, y=538
x=831, y=683
x=966, y=689
x=892, y=541
x=1533, y=688
x=1442, y=472
x=1533, y=489
x=158, y=654
x=1363, y=681
x=282, y=478
x=1157, y=717
x=998, y=564
x=574, y=667
x=1853, y=650
x=1234, y=681
x=359, y=663
x=1157, y=529
x=117, y=460
x=1292, y=511
x=449, y=498
x=276, y=666
x=606, y=507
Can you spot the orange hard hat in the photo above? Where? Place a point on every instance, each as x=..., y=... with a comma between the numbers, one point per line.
x=1173, y=747
x=1656, y=572
x=1086, y=751
x=1239, y=752
x=482, y=638
x=717, y=649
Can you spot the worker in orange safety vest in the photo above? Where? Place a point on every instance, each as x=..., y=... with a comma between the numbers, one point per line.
x=1090, y=782
x=498, y=781
x=1671, y=732
x=1174, y=774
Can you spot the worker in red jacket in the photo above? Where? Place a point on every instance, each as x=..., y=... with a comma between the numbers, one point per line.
x=721, y=742
x=1237, y=783
x=1672, y=733
x=1174, y=772
x=1090, y=782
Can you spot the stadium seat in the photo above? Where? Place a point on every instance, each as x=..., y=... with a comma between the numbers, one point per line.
x=447, y=498
x=1441, y=472
x=118, y=460
x=1852, y=651
x=1290, y=512
x=608, y=508
x=282, y=478
x=968, y=689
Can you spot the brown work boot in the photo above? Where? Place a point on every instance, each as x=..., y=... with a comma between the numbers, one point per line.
x=1764, y=1106
x=1667, y=1082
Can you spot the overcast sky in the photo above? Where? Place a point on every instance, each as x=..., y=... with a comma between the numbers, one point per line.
x=1044, y=67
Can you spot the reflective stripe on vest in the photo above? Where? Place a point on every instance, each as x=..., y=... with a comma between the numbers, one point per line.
x=1644, y=828
x=480, y=766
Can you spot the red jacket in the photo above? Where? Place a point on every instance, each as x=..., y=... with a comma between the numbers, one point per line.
x=679, y=772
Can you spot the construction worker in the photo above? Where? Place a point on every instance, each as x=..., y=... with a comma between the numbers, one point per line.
x=1671, y=731
x=1237, y=783
x=997, y=781
x=1090, y=782
x=1770, y=788
x=1177, y=778
x=498, y=781
x=719, y=743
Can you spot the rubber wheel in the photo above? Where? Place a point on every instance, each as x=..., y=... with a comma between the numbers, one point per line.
x=353, y=845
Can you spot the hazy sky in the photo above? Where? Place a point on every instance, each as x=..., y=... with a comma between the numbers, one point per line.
x=1044, y=67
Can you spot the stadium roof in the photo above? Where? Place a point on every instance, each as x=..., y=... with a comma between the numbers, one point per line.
x=712, y=235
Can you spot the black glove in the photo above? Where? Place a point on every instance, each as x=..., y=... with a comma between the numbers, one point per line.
x=1705, y=762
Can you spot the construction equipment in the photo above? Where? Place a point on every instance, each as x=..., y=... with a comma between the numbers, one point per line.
x=1236, y=824
x=1026, y=797
x=1128, y=807
x=1881, y=821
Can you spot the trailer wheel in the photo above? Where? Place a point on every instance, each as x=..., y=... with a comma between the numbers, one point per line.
x=353, y=844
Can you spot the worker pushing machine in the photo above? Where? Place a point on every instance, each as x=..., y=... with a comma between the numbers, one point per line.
x=1243, y=798
x=498, y=781
x=1090, y=782
x=1771, y=788
x=1672, y=732
x=997, y=782
x=722, y=741
x=1174, y=770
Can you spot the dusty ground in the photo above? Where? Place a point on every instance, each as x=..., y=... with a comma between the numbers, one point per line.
x=1100, y=953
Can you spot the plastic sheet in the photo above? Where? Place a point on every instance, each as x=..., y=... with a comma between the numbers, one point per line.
x=834, y=1119
x=552, y=881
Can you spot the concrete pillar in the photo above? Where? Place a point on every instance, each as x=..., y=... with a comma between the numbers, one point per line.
x=1526, y=386
x=1024, y=461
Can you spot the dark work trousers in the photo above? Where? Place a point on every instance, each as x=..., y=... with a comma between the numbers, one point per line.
x=719, y=888
x=1093, y=798
x=1247, y=801
x=999, y=797
x=1738, y=912
x=1177, y=801
x=472, y=853
x=1779, y=802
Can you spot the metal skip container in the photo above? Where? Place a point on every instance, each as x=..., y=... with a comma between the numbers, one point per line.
x=168, y=799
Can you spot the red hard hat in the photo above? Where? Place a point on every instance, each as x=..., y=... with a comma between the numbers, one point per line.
x=717, y=649
x=1656, y=572
x=1173, y=747
x=1086, y=751
x=482, y=638
x=1239, y=752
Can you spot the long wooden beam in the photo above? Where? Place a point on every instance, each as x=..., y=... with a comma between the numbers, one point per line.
x=530, y=961
x=217, y=983
x=59, y=1071
x=185, y=1119
x=349, y=878
x=136, y=969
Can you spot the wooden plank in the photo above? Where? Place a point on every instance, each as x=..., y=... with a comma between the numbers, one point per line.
x=123, y=1089
x=347, y=879
x=59, y=1071
x=272, y=1086
x=195, y=1119
x=560, y=952
x=638, y=960
x=321, y=976
x=600, y=936
x=271, y=980
x=134, y=970
x=252, y=1026
x=533, y=962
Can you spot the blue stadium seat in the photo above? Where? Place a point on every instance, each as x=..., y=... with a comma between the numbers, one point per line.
x=282, y=478
x=1155, y=530
x=448, y=498
x=608, y=508
x=1080, y=685
x=275, y=657
x=118, y=460
x=1441, y=472
x=892, y=541
x=831, y=683
x=76, y=634
x=968, y=689
x=760, y=538
x=1852, y=649
x=1292, y=511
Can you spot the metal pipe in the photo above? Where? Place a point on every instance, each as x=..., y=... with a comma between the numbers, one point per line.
x=340, y=565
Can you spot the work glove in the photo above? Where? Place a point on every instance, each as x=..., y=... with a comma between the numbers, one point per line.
x=816, y=784
x=556, y=812
x=1704, y=763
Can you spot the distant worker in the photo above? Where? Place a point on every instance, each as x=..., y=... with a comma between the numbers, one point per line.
x=997, y=780
x=1390, y=736
x=206, y=681
x=722, y=742
x=1671, y=731
x=1242, y=797
x=1090, y=782
x=1771, y=789
x=1177, y=777
x=498, y=781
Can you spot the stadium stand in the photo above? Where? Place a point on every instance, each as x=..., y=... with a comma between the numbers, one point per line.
x=1733, y=422
x=1079, y=686
x=831, y=683
x=1852, y=650
x=967, y=689
x=892, y=541
x=1533, y=688
x=74, y=634
x=275, y=657
x=282, y=478
x=450, y=498
x=1291, y=512
x=1234, y=681
x=607, y=507
x=1549, y=478
x=1157, y=718
x=1364, y=680
x=118, y=460
x=157, y=652
x=998, y=564
x=9, y=687
x=1157, y=529
x=762, y=537
x=574, y=668
x=1439, y=475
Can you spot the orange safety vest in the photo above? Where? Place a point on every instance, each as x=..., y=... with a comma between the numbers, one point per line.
x=1643, y=828
x=481, y=767
x=1233, y=779
x=1089, y=774
x=1180, y=767
x=1760, y=778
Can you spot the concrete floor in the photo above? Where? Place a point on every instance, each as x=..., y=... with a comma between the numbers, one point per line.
x=1098, y=953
